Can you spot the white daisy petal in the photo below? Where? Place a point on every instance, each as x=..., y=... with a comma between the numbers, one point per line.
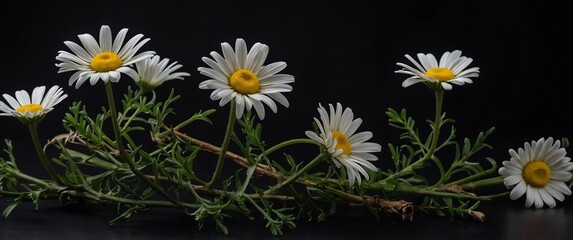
x=346, y=149
x=411, y=81
x=560, y=186
x=446, y=86
x=85, y=65
x=235, y=67
x=31, y=109
x=267, y=100
x=271, y=69
x=360, y=137
x=561, y=175
x=512, y=165
x=364, y=163
x=365, y=156
x=11, y=101
x=540, y=170
x=509, y=171
x=530, y=193
x=240, y=101
x=313, y=136
x=280, y=98
x=38, y=94
x=554, y=191
x=153, y=72
x=23, y=97
x=514, y=154
x=451, y=69
x=277, y=78
x=547, y=198
x=537, y=200
x=512, y=180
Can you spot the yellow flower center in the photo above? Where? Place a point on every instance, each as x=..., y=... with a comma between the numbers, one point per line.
x=536, y=173
x=342, y=142
x=440, y=74
x=106, y=61
x=244, y=81
x=30, y=107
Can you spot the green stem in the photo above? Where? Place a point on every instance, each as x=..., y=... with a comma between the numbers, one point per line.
x=224, y=145
x=403, y=188
x=129, y=119
x=262, y=211
x=439, y=96
x=292, y=178
x=30, y=178
x=45, y=161
x=287, y=143
x=184, y=123
x=121, y=118
x=147, y=203
x=483, y=183
x=123, y=153
x=467, y=179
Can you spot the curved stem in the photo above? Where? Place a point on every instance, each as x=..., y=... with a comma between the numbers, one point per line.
x=483, y=183
x=287, y=143
x=407, y=189
x=121, y=118
x=224, y=145
x=292, y=178
x=31, y=179
x=41, y=154
x=124, y=155
x=439, y=96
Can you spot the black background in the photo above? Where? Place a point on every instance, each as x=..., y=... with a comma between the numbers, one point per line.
x=338, y=52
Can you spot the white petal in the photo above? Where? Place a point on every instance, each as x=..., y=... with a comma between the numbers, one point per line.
x=23, y=97
x=512, y=180
x=562, y=176
x=552, y=189
x=38, y=94
x=518, y=190
x=446, y=86
x=509, y=171
x=411, y=81
x=547, y=198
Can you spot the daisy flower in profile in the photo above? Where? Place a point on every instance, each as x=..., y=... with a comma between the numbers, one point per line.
x=105, y=60
x=346, y=147
x=240, y=76
x=450, y=69
x=155, y=71
x=30, y=108
x=540, y=171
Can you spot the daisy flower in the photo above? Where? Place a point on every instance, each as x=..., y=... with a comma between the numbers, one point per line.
x=26, y=107
x=450, y=69
x=240, y=76
x=540, y=171
x=105, y=60
x=155, y=71
x=346, y=147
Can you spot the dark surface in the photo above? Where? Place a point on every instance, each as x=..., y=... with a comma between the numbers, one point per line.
x=504, y=220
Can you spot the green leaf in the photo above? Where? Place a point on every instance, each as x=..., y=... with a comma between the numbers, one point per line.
x=13, y=204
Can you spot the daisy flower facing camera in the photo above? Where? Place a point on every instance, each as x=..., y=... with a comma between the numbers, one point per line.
x=450, y=69
x=155, y=71
x=539, y=170
x=346, y=147
x=105, y=60
x=240, y=76
x=30, y=108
